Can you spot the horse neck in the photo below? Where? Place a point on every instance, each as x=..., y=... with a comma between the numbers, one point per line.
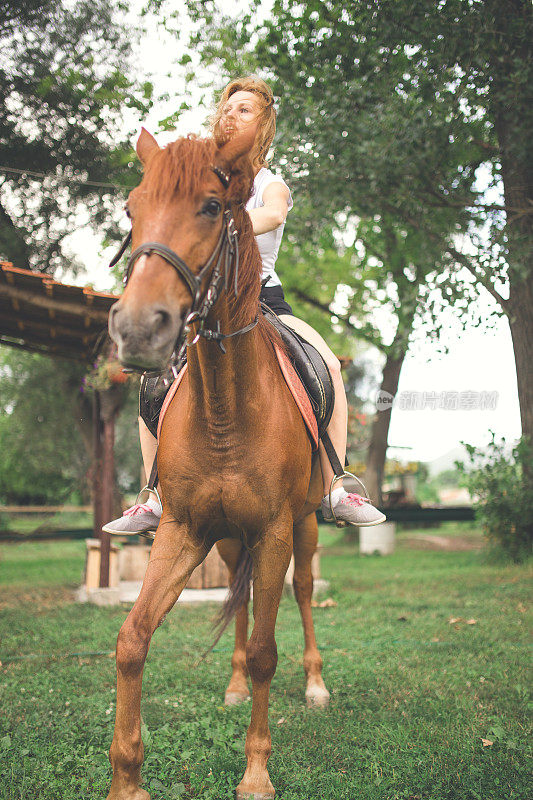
x=222, y=384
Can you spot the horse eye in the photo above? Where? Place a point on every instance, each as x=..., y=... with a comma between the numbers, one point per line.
x=212, y=208
x=126, y=209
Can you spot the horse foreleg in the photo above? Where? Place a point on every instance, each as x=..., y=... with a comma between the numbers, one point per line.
x=237, y=691
x=305, y=542
x=174, y=556
x=271, y=556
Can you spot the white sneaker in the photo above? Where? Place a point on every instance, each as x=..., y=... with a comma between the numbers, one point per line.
x=140, y=518
x=352, y=509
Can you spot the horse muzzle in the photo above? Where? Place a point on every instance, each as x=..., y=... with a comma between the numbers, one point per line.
x=145, y=337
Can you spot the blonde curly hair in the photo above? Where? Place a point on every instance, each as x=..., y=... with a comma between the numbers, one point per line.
x=267, y=120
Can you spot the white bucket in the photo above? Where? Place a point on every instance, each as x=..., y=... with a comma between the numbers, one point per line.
x=377, y=539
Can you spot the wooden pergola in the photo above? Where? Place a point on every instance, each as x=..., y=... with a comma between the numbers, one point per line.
x=44, y=316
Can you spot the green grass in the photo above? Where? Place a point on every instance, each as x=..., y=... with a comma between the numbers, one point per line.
x=441, y=529
x=48, y=563
x=29, y=523
x=412, y=696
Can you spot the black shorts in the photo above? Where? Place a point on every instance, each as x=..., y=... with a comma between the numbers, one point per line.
x=274, y=298
x=152, y=393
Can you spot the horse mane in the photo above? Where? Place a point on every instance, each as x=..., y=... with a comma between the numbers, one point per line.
x=181, y=167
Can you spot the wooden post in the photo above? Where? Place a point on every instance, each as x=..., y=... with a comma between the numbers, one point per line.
x=103, y=478
x=108, y=483
x=98, y=516
x=108, y=412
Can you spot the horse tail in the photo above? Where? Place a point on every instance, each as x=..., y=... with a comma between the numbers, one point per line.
x=238, y=595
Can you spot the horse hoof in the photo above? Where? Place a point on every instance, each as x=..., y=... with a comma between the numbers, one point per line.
x=235, y=698
x=135, y=794
x=317, y=698
x=244, y=790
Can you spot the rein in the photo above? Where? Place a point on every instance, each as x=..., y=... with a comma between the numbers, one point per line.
x=225, y=253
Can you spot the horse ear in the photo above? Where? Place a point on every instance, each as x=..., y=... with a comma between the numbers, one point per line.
x=228, y=152
x=146, y=145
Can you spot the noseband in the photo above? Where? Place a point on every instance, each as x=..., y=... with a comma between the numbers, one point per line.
x=225, y=254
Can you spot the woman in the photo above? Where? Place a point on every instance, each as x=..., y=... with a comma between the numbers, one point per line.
x=245, y=102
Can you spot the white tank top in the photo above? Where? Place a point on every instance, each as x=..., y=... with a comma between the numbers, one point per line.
x=268, y=243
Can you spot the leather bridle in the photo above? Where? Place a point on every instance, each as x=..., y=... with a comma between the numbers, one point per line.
x=224, y=256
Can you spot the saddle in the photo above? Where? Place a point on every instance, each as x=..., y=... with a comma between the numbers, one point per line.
x=310, y=368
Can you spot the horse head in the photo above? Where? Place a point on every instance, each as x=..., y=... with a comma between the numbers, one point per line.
x=182, y=219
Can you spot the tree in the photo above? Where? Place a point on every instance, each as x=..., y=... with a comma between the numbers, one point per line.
x=46, y=431
x=64, y=152
x=15, y=12
x=65, y=159
x=42, y=457
x=469, y=63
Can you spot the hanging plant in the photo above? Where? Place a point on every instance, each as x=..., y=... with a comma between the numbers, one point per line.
x=105, y=373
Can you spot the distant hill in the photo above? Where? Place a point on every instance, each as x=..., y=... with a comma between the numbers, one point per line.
x=447, y=460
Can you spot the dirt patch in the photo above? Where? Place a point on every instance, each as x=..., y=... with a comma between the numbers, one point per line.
x=41, y=598
x=422, y=541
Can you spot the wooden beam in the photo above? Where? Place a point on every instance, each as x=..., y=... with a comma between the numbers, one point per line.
x=33, y=299
x=31, y=314
x=31, y=327
x=46, y=348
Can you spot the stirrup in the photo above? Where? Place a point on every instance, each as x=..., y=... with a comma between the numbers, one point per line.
x=341, y=523
x=149, y=534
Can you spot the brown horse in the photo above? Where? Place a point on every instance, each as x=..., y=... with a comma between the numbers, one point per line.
x=235, y=460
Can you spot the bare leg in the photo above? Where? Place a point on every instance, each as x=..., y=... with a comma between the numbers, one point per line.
x=305, y=542
x=148, y=447
x=174, y=556
x=338, y=426
x=271, y=556
x=337, y=430
x=237, y=690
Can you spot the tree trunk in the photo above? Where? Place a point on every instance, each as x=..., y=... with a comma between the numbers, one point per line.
x=518, y=187
x=513, y=129
x=377, y=449
x=521, y=324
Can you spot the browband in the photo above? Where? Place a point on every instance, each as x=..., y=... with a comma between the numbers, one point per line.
x=223, y=176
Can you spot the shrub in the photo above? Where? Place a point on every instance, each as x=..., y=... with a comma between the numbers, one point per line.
x=501, y=482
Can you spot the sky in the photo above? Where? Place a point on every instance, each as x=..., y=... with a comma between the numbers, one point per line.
x=478, y=361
